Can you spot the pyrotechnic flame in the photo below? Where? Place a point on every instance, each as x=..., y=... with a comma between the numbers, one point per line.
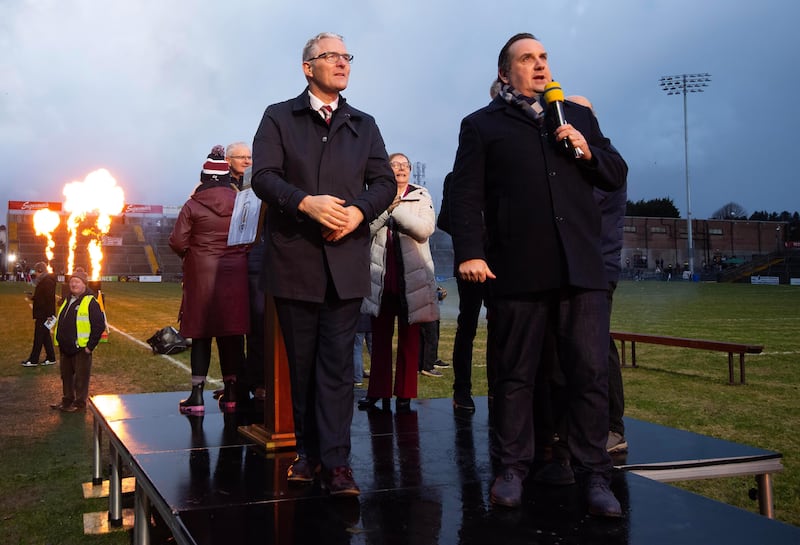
x=45, y=222
x=97, y=195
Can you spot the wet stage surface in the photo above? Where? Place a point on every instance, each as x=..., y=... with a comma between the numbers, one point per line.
x=424, y=479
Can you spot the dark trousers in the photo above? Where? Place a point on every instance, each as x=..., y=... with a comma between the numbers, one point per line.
x=42, y=338
x=579, y=320
x=407, y=361
x=551, y=399
x=616, y=394
x=319, y=346
x=76, y=369
x=230, y=349
x=252, y=373
x=428, y=345
x=470, y=299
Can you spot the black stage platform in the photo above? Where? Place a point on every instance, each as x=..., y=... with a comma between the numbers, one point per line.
x=424, y=478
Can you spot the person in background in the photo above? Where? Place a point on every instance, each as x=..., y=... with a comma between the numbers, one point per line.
x=429, y=362
x=251, y=375
x=523, y=218
x=239, y=158
x=612, y=210
x=470, y=300
x=403, y=288
x=612, y=205
x=320, y=165
x=215, y=293
x=44, y=306
x=363, y=335
x=79, y=326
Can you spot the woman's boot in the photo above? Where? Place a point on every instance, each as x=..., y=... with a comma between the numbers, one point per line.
x=194, y=403
x=227, y=402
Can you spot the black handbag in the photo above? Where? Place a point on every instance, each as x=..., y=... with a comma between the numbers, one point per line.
x=168, y=340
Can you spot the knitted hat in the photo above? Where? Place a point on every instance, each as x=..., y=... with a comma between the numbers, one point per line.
x=81, y=275
x=216, y=167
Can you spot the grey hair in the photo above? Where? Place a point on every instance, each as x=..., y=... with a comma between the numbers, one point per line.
x=398, y=154
x=310, y=50
x=234, y=145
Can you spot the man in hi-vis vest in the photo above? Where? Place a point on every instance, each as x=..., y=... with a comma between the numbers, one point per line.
x=80, y=325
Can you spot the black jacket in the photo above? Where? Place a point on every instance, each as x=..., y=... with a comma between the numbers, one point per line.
x=542, y=224
x=44, y=297
x=296, y=154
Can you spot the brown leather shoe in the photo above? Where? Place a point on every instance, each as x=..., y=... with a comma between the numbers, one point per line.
x=302, y=470
x=339, y=482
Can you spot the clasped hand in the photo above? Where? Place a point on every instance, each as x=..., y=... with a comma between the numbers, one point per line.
x=336, y=219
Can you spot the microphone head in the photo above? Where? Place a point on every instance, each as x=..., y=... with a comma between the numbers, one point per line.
x=553, y=93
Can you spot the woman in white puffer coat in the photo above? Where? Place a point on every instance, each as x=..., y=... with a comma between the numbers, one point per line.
x=403, y=287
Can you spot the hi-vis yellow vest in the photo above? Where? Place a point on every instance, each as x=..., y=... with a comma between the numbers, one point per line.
x=82, y=323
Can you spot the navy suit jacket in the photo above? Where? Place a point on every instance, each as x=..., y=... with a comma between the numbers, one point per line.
x=296, y=154
x=542, y=224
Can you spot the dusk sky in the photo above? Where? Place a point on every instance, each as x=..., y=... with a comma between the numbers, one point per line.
x=146, y=88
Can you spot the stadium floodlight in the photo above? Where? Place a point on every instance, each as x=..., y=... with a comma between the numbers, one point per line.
x=682, y=84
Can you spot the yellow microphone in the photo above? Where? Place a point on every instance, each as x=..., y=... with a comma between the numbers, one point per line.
x=554, y=98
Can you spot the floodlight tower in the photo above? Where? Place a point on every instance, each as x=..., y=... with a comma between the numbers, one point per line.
x=677, y=85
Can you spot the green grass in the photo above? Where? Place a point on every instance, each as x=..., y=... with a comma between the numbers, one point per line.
x=46, y=455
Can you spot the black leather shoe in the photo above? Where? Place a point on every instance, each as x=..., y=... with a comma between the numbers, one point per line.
x=366, y=403
x=403, y=405
x=339, y=482
x=507, y=489
x=369, y=403
x=463, y=402
x=302, y=470
x=602, y=502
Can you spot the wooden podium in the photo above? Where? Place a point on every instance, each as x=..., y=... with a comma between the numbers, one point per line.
x=277, y=430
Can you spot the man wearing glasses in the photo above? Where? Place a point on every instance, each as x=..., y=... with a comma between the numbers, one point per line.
x=321, y=167
x=239, y=158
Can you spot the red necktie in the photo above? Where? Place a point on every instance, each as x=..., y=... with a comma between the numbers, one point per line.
x=326, y=112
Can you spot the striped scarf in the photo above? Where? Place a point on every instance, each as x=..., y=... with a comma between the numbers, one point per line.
x=531, y=106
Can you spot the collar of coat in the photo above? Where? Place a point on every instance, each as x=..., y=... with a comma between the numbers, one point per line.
x=414, y=193
x=346, y=114
x=499, y=105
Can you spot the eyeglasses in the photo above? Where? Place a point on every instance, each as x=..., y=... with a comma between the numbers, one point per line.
x=332, y=58
x=400, y=166
x=248, y=157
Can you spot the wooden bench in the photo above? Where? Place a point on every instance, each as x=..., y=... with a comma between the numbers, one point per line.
x=701, y=344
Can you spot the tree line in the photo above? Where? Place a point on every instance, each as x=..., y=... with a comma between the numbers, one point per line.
x=665, y=208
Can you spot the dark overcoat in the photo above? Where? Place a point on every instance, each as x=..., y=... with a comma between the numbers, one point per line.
x=542, y=224
x=295, y=154
x=215, y=291
x=44, y=297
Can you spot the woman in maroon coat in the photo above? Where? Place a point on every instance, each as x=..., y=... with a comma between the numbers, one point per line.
x=215, y=293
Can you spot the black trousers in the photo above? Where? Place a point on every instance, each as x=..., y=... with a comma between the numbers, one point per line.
x=616, y=394
x=42, y=338
x=231, y=352
x=429, y=345
x=470, y=299
x=579, y=321
x=319, y=346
